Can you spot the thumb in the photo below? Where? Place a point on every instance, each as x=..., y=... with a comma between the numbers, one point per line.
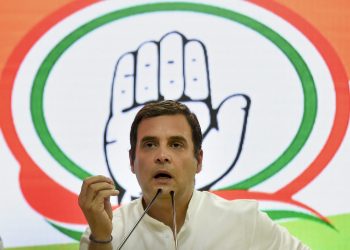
x=108, y=208
x=231, y=117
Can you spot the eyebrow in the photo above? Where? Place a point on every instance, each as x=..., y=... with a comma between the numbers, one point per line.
x=178, y=138
x=149, y=138
x=172, y=138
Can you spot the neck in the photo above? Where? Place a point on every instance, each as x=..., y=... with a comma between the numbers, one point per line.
x=162, y=209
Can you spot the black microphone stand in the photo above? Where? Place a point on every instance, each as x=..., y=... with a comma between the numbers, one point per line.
x=138, y=221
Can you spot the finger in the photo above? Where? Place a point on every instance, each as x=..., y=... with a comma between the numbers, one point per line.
x=97, y=178
x=88, y=182
x=95, y=188
x=196, y=71
x=94, y=179
x=146, y=87
x=108, y=207
x=98, y=204
x=123, y=84
x=171, y=66
x=102, y=196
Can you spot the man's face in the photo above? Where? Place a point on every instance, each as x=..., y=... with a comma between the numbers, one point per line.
x=165, y=156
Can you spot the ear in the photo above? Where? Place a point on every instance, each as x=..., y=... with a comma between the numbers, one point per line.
x=131, y=160
x=199, y=161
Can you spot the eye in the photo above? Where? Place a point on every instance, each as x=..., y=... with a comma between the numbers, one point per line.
x=149, y=144
x=177, y=145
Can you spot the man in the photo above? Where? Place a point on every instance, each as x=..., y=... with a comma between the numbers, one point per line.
x=166, y=155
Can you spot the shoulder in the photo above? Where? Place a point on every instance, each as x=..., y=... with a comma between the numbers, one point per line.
x=226, y=215
x=214, y=201
x=240, y=210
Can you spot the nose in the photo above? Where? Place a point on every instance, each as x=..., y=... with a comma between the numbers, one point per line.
x=162, y=156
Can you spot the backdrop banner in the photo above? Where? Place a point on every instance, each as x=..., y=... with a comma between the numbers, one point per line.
x=268, y=81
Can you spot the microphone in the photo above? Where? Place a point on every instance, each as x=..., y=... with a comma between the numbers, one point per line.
x=172, y=194
x=138, y=221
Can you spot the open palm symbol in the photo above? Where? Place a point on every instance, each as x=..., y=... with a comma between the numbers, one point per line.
x=173, y=68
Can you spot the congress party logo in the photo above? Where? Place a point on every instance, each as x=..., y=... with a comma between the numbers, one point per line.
x=264, y=84
x=173, y=68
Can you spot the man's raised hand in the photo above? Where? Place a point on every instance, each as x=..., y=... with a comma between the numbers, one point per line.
x=94, y=200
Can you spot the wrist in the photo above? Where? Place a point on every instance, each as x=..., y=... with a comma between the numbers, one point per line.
x=100, y=241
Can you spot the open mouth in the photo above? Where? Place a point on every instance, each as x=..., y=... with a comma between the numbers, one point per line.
x=162, y=176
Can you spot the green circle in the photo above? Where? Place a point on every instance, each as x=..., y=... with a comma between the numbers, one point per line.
x=304, y=74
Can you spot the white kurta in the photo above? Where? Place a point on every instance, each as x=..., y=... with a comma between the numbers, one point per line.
x=211, y=223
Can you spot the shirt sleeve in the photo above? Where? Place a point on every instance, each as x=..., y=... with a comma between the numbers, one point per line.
x=269, y=235
x=84, y=240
